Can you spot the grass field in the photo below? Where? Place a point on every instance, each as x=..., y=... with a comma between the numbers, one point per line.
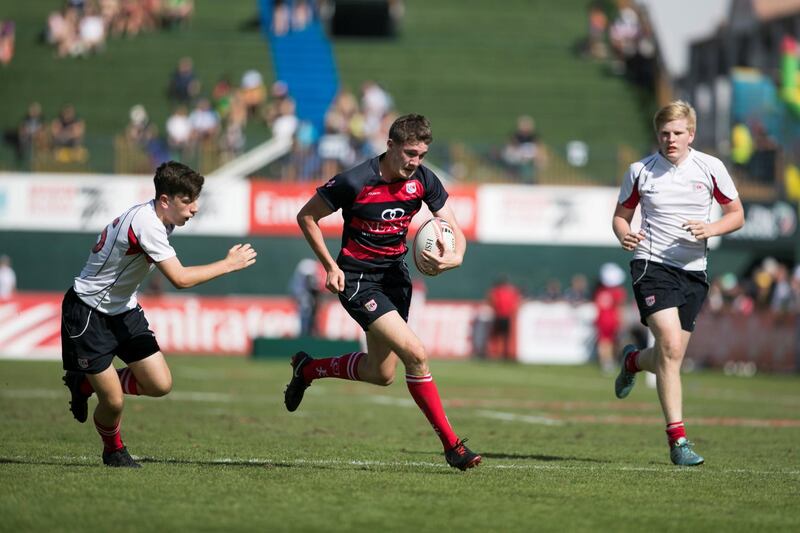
x=220, y=453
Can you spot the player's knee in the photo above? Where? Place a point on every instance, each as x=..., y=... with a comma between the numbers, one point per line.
x=112, y=403
x=385, y=378
x=671, y=349
x=416, y=355
x=161, y=387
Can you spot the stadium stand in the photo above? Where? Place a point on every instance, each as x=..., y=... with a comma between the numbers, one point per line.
x=472, y=98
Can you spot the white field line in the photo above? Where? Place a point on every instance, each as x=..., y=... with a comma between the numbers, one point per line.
x=233, y=461
x=513, y=417
x=224, y=398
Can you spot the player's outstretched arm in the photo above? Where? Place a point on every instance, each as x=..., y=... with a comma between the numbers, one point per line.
x=239, y=257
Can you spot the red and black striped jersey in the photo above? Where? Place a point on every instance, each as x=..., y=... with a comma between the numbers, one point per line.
x=377, y=213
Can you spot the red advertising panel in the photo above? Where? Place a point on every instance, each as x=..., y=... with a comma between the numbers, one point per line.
x=30, y=324
x=274, y=207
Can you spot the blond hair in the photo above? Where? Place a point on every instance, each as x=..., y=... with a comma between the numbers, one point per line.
x=675, y=110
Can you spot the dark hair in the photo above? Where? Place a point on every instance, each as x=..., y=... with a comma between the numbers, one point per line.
x=411, y=128
x=174, y=179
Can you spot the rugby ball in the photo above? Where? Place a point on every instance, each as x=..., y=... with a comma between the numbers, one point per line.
x=427, y=240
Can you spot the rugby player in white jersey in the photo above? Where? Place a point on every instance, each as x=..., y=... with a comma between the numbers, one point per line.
x=676, y=188
x=100, y=316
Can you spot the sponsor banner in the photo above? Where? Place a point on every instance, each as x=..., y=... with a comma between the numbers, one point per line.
x=445, y=328
x=770, y=340
x=548, y=215
x=274, y=207
x=774, y=223
x=30, y=324
x=87, y=203
x=555, y=333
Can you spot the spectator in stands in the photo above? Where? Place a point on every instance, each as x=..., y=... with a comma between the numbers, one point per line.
x=31, y=132
x=335, y=150
x=281, y=18
x=67, y=132
x=175, y=13
x=375, y=104
x=92, y=30
x=278, y=93
x=522, y=150
x=133, y=18
x=285, y=124
x=609, y=299
x=762, y=164
x=762, y=281
x=578, y=290
x=552, y=291
x=205, y=121
x=233, y=137
x=596, y=45
x=504, y=299
x=62, y=32
x=624, y=33
x=253, y=93
x=136, y=130
x=222, y=95
x=109, y=10
x=8, y=279
x=7, y=36
x=781, y=297
x=306, y=287
x=184, y=86
x=795, y=284
x=179, y=132
x=302, y=14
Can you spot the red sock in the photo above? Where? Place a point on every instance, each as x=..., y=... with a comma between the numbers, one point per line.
x=342, y=367
x=128, y=381
x=675, y=431
x=632, y=362
x=425, y=393
x=110, y=435
x=86, y=387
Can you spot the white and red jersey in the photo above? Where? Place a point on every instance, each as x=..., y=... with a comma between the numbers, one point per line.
x=125, y=253
x=670, y=195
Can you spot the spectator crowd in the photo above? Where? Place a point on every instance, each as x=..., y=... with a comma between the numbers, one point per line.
x=81, y=27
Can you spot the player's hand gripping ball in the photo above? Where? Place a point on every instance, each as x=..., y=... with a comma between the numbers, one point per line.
x=428, y=239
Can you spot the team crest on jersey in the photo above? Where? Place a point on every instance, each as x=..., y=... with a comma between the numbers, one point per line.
x=411, y=187
x=371, y=305
x=699, y=187
x=650, y=301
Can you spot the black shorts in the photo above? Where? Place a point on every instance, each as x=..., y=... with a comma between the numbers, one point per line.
x=90, y=339
x=501, y=326
x=657, y=286
x=368, y=296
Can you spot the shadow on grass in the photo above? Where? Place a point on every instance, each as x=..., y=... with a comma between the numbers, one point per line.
x=47, y=462
x=524, y=457
x=539, y=457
